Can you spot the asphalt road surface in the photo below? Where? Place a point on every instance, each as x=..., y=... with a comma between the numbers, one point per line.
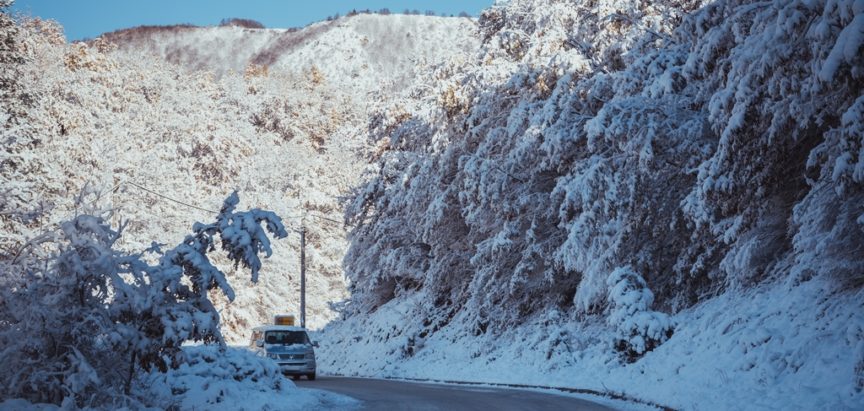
x=399, y=395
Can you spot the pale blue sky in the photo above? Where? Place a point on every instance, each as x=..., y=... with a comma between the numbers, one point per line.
x=89, y=18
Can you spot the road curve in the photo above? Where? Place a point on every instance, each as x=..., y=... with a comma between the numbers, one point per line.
x=392, y=395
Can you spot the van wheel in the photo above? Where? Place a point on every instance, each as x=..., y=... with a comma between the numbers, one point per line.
x=311, y=377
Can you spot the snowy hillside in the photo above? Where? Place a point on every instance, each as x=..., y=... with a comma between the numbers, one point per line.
x=365, y=53
x=143, y=132
x=663, y=199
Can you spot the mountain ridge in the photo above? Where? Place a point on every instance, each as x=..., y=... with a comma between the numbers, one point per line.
x=388, y=47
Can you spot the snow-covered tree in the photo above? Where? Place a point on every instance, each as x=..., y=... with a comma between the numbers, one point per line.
x=11, y=59
x=638, y=328
x=79, y=324
x=699, y=144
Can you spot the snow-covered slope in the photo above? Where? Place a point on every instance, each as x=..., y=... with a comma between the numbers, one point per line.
x=661, y=198
x=290, y=134
x=365, y=52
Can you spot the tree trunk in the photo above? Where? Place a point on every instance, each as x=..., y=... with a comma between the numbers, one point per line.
x=131, y=371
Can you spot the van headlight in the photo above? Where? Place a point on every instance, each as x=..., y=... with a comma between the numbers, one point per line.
x=273, y=356
x=310, y=355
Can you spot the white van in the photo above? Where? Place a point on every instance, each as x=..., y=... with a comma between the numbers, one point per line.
x=289, y=346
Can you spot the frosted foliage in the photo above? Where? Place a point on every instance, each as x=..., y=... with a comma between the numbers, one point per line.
x=80, y=323
x=11, y=58
x=712, y=147
x=116, y=114
x=679, y=138
x=242, y=235
x=639, y=329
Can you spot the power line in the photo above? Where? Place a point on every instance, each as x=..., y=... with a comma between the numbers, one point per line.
x=313, y=215
x=211, y=211
x=169, y=198
x=326, y=218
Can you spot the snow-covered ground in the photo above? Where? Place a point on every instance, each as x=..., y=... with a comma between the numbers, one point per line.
x=768, y=348
x=233, y=379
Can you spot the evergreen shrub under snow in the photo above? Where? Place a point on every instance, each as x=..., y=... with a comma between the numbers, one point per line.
x=639, y=329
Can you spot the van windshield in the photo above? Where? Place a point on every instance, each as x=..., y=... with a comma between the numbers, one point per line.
x=286, y=337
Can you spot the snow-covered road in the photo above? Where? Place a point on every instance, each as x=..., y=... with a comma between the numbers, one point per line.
x=400, y=395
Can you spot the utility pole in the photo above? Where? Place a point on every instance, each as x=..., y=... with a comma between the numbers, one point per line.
x=303, y=275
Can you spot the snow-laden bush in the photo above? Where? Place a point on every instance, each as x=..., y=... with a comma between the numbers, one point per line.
x=79, y=324
x=638, y=328
x=215, y=377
